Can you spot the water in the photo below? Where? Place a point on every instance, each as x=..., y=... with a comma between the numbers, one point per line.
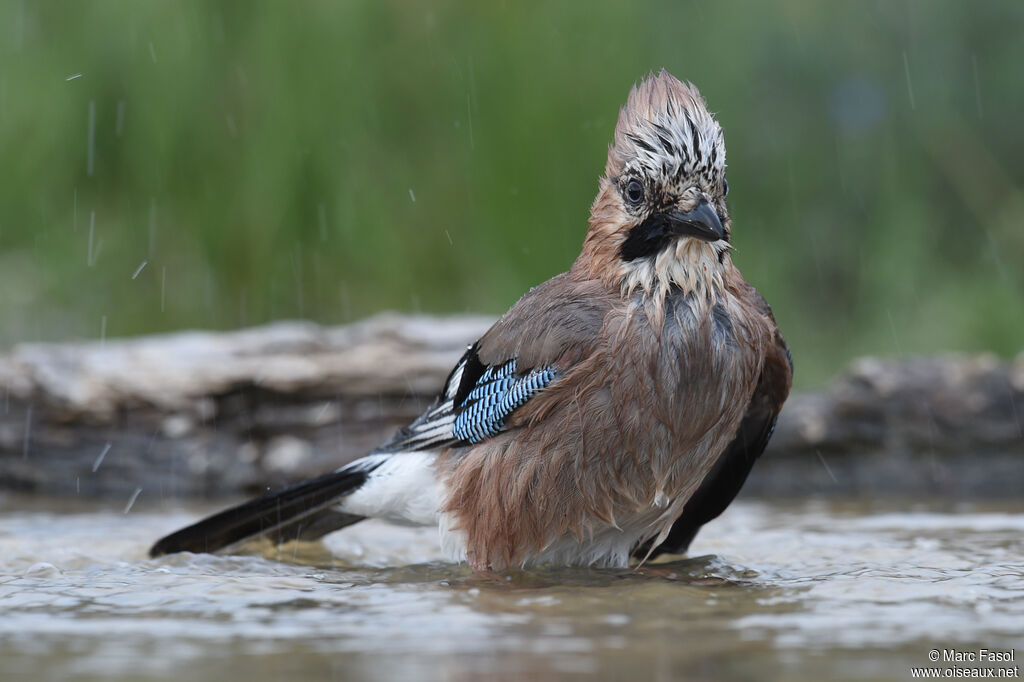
x=798, y=591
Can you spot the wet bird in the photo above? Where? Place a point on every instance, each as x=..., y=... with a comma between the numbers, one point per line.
x=610, y=413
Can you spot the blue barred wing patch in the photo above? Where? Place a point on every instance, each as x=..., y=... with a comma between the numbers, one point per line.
x=474, y=404
x=497, y=393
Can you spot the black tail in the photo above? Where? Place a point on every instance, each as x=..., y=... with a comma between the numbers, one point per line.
x=302, y=511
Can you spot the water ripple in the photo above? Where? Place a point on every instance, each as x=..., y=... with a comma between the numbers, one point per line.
x=770, y=588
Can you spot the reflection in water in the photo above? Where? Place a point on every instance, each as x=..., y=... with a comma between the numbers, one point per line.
x=799, y=590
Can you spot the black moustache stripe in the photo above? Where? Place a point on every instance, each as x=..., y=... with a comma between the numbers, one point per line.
x=647, y=239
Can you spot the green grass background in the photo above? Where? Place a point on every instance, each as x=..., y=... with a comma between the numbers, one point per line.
x=327, y=160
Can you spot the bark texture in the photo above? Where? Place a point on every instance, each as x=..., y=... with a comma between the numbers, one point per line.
x=208, y=414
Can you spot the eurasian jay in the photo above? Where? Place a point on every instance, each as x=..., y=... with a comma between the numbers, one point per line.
x=610, y=413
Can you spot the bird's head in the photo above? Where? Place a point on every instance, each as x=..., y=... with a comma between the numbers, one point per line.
x=660, y=217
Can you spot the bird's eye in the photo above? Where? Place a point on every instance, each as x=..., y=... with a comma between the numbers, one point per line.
x=634, y=192
x=725, y=188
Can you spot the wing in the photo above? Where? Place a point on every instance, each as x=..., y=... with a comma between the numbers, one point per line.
x=476, y=401
x=534, y=344
x=723, y=482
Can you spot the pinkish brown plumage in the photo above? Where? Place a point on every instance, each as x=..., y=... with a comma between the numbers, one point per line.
x=612, y=411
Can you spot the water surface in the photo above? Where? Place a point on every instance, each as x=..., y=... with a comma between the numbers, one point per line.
x=802, y=590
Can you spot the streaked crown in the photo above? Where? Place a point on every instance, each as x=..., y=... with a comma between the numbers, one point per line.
x=666, y=137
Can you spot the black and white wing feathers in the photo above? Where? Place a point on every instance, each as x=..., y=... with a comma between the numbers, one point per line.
x=476, y=401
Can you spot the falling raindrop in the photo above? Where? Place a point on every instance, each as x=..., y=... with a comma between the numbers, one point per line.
x=19, y=34
x=412, y=196
x=895, y=336
x=99, y=460
x=839, y=165
x=910, y=85
x=131, y=500
x=208, y=289
x=119, y=121
x=103, y=331
x=297, y=272
x=346, y=300
x=152, y=226
x=72, y=77
x=139, y=269
x=152, y=52
x=92, y=228
x=997, y=256
x=828, y=469
x=28, y=432
x=91, y=158
x=450, y=242
x=977, y=85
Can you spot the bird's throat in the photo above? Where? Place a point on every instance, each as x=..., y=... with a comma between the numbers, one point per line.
x=689, y=265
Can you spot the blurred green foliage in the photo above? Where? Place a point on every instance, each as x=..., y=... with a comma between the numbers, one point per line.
x=327, y=160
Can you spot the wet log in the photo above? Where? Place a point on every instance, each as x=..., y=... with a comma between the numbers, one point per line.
x=218, y=414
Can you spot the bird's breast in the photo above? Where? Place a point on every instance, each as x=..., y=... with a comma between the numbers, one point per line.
x=698, y=372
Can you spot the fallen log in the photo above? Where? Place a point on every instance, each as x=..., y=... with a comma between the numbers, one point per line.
x=210, y=414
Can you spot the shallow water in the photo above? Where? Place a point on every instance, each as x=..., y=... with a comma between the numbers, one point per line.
x=799, y=591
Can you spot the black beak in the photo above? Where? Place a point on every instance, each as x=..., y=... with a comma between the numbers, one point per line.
x=702, y=223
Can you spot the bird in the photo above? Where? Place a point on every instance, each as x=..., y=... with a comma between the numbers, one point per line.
x=610, y=413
